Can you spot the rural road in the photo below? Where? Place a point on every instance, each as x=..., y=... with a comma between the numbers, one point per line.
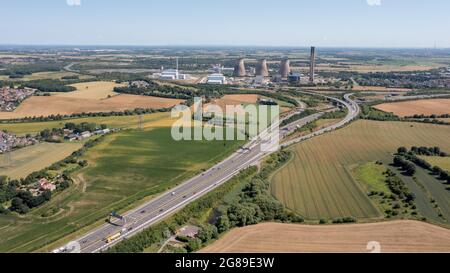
x=196, y=187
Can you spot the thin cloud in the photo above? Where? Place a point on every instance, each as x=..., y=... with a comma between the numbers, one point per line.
x=73, y=3
x=374, y=3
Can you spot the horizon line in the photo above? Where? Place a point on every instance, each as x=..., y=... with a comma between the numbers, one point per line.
x=219, y=45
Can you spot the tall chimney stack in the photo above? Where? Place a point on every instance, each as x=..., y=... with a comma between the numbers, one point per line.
x=312, y=65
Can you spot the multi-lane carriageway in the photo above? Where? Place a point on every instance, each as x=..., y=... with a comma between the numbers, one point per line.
x=196, y=187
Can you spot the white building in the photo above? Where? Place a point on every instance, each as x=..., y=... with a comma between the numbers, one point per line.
x=216, y=79
x=260, y=80
x=172, y=74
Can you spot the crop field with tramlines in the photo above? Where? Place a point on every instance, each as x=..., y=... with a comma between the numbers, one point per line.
x=317, y=182
x=124, y=169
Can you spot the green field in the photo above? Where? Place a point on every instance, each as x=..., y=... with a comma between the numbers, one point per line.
x=371, y=175
x=53, y=75
x=318, y=183
x=112, y=122
x=123, y=169
x=35, y=158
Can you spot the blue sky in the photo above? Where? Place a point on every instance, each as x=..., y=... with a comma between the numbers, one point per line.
x=342, y=23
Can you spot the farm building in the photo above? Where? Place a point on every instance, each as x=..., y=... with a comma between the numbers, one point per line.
x=45, y=185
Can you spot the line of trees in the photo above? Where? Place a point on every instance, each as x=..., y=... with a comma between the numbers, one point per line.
x=422, y=116
x=370, y=113
x=408, y=167
x=399, y=188
x=425, y=151
x=49, y=85
x=19, y=71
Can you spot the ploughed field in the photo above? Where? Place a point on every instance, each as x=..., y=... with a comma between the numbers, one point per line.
x=417, y=107
x=91, y=97
x=124, y=169
x=318, y=183
x=395, y=236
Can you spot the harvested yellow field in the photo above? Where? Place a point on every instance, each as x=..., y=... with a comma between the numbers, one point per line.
x=410, y=108
x=395, y=236
x=91, y=90
x=442, y=162
x=34, y=158
x=239, y=101
x=148, y=121
x=54, y=105
x=380, y=89
x=236, y=100
x=317, y=183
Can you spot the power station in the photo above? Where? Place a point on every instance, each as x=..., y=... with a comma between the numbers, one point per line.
x=261, y=74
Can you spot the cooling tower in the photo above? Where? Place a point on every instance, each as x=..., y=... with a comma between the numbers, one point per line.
x=262, y=69
x=285, y=68
x=239, y=70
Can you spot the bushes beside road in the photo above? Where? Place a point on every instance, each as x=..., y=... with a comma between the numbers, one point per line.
x=296, y=117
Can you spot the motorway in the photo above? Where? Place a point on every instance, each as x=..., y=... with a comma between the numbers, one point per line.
x=353, y=112
x=196, y=187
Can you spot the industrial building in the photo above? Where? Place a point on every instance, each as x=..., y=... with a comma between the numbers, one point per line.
x=261, y=80
x=216, y=78
x=172, y=74
x=294, y=78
